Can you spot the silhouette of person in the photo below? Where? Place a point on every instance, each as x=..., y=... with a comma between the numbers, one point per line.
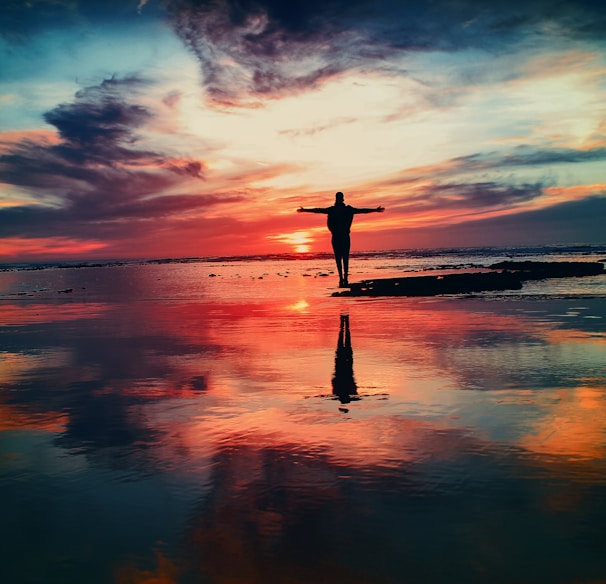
x=340, y=218
x=343, y=382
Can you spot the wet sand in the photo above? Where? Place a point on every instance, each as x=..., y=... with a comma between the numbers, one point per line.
x=241, y=424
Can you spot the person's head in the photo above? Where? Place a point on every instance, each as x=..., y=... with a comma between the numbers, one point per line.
x=339, y=197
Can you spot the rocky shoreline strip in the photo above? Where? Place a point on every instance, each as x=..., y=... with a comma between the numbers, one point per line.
x=507, y=275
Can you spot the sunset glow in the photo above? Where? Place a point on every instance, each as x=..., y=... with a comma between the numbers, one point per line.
x=170, y=129
x=299, y=241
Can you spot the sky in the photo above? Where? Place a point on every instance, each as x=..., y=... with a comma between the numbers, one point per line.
x=185, y=128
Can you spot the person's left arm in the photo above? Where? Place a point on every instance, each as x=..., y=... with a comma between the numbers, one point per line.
x=367, y=210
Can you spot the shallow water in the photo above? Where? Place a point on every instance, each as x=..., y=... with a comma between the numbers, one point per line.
x=235, y=423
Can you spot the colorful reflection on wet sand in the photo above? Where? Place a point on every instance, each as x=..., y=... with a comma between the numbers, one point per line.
x=280, y=435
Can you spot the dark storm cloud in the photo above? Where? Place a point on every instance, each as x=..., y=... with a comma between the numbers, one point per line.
x=95, y=181
x=268, y=47
x=250, y=49
x=99, y=125
x=268, y=27
x=98, y=133
x=98, y=121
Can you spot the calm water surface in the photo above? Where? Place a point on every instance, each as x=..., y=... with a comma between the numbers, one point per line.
x=193, y=423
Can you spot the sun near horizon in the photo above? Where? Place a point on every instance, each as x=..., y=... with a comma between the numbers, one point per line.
x=298, y=241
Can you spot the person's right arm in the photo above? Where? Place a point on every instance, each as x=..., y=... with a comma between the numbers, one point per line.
x=314, y=210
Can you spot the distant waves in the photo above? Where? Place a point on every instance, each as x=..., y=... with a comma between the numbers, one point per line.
x=422, y=258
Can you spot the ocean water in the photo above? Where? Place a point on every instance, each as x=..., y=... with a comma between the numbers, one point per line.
x=228, y=420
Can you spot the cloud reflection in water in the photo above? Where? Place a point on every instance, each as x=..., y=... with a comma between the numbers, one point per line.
x=196, y=422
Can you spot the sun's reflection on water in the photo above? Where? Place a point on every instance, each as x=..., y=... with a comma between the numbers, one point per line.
x=300, y=306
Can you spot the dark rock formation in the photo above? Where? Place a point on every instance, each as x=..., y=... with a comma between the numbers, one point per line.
x=510, y=276
x=540, y=270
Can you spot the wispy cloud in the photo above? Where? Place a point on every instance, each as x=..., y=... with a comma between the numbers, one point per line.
x=319, y=128
x=521, y=156
x=456, y=190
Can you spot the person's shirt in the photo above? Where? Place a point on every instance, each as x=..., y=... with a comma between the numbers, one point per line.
x=340, y=218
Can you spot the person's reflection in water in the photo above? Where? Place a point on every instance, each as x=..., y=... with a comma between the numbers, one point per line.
x=343, y=383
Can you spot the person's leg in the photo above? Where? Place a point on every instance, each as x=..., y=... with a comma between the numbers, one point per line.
x=337, y=250
x=346, y=246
